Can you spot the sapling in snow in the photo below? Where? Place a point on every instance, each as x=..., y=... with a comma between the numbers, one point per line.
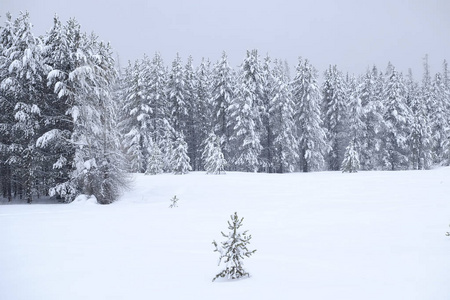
x=174, y=202
x=234, y=250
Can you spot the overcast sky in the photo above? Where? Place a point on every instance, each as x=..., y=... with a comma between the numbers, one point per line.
x=352, y=34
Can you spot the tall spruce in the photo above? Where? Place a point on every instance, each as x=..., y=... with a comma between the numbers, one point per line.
x=397, y=120
x=281, y=122
x=311, y=136
x=222, y=96
x=334, y=112
x=372, y=118
x=245, y=113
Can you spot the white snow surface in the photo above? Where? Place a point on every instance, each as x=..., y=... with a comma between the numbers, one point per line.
x=324, y=235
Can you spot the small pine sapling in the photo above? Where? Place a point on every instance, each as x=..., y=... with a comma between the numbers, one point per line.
x=350, y=163
x=174, y=202
x=234, y=250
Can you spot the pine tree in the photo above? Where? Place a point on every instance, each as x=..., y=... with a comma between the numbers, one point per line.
x=222, y=96
x=420, y=131
x=180, y=160
x=7, y=104
x=203, y=110
x=24, y=87
x=176, y=97
x=334, y=111
x=397, y=118
x=439, y=118
x=369, y=91
x=138, y=121
x=161, y=130
x=350, y=164
x=234, y=250
x=245, y=113
x=192, y=105
x=212, y=155
x=281, y=120
x=311, y=136
x=155, y=164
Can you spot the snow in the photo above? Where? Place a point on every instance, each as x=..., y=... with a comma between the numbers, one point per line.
x=324, y=235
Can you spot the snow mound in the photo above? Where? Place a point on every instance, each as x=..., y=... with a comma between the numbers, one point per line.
x=85, y=199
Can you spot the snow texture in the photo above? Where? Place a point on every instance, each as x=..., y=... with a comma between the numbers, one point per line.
x=323, y=235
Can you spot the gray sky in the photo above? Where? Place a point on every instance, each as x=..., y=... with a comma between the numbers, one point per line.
x=353, y=34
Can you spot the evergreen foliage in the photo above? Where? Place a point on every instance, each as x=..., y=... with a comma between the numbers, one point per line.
x=311, y=136
x=350, y=164
x=212, y=155
x=334, y=115
x=71, y=123
x=234, y=250
x=174, y=202
x=180, y=163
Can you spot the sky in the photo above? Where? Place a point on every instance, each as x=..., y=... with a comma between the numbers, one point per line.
x=352, y=34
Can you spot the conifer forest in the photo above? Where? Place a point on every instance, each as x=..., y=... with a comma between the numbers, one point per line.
x=72, y=122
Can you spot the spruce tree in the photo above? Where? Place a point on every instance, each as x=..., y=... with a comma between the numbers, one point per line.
x=155, y=163
x=281, y=116
x=176, y=96
x=334, y=112
x=311, y=136
x=234, y=250
x=397, y=120
x=420, y=132
x=212, y=155
x=350, y=164
x=222, y=97
x=203, y=109
x=180, y=159
x=245, y=113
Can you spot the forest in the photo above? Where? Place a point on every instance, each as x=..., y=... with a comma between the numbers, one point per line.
x=72, y=122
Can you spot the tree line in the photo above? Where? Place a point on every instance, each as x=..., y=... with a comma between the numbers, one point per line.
x=73, y=123
x=258, y=119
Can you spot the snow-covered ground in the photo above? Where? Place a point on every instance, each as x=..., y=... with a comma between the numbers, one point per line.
x=325, y=235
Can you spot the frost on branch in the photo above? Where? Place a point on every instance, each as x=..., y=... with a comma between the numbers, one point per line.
x=233, y=250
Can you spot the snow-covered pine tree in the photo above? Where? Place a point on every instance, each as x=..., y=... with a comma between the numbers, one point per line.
x=245, y=114
x=350, y=164
x=6, y=107
x=356, y=126
x=180, y=160
x=212, y=155
x=137, y=122
x=368, y=91
x=397, y=120
x=161, y=130
x=267, y=135
x=155, y=163
x=203, y=109
x=234, y=250
x=191, y=101
x=86, y=86
x=176, y=97
x=334, y=112
x=420, y=131
x=281, y=114
x=222, y=96
x=25, y=88
x=311, y=136
x=439, y=118
x=446, y=83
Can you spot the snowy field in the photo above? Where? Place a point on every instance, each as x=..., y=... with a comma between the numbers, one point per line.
x=325, y=235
